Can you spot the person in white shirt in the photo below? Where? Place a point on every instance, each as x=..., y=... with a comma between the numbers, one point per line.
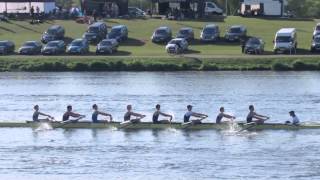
x=295, y=119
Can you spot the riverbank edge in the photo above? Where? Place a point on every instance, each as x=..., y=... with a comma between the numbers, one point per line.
x=114, y=63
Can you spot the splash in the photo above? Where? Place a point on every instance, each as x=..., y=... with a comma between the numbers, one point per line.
x=44, y=127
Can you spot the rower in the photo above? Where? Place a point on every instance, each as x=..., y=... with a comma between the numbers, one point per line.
x=295, y=119
x=95, y=114
x=129, y=113
x=254, y=117
x=157, y=113
x=222, y=115
x=190, y=114
x=35, y=116
x=69, y=113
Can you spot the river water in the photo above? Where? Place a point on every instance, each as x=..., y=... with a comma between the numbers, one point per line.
x=165, y=154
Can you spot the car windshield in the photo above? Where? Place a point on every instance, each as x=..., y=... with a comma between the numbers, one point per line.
x=161, y=32
x=52, y=44
x=234, y=30
x=184, y=31
x=209, y=30
x=253, y=41
x=174, y=42
x=51, y=31
x=93, y=29
x=76, y=43
x=281, y=39
x=318, y=28
x=3, y=43
x=29, y=44
x=115, y=32
x=106, y=43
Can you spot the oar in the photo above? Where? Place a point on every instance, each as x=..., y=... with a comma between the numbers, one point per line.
x=63, y=123
x=128, y=123
x=253, y=125
x=190, y=123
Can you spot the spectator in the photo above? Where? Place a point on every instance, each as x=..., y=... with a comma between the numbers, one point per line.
x=94, y=15
x=32, y=14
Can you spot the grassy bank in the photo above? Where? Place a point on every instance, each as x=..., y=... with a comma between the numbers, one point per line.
x=140, y=31
x=92, y=63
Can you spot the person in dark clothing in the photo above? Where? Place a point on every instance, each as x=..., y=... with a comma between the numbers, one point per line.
x=157, y=113
x=242, y=44
x=94, y=15
x=32, y=14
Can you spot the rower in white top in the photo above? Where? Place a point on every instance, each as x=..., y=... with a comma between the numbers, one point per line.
x=189, y=114
x=295, y=119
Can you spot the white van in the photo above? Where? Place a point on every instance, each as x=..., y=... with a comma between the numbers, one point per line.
x=285, y=41
x=212, y=8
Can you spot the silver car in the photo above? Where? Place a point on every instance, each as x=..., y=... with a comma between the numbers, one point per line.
x=177, y=45
x=316, y=30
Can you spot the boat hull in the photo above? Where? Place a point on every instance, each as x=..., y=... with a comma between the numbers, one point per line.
x=148, y=125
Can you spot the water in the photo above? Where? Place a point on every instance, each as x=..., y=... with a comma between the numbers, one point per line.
x=165, y=154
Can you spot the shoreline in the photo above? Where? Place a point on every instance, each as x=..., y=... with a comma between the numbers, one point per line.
x=158, y=63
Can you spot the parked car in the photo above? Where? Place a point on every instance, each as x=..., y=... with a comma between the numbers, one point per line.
x=235, y=33
x=30, y=48
x=6, y=47
x=162, y=35
x=53, y=33
x=136, y=12
x=212, y=8
x=316, y=30
x=119, y=32
x=254, y=46
x=107, y=46
x=54, y=48
x=78, y=46
x=210, y=33
x=186, y=33
x=285, y=41
x=315, y=45
x=176, y=46
x=96, y=32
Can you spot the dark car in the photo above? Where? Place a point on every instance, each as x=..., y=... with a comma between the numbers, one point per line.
x=96, y=32
x=186, y=33
x=55, y=32
x=30, y=48
x=107, y=46
x=315, y=45
x=6, y=47
x=78, y=46
x=235, y=33
x=254, y=46
x=210, y=33
x=162, y=35
x=54, y=48
x=119, y=32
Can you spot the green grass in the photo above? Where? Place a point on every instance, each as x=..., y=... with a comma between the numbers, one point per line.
x=141, y=30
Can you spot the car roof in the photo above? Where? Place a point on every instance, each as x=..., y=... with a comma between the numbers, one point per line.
x=79, y=39
x=31, y=42
x=5, y=41
x=211, y=26
x=286, y=30
x=111, y=40
x=163, y=27
x=177, y=39
x=237, y=26
x=119, y=26
x=55, y=27
x=56, y=41
x=186, y=28
x=96, y=24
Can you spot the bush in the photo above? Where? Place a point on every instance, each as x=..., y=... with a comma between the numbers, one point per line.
x=80, y=67
x=99, y=66
x=279, y=66
x=118, y=66
x=136, y=66
x=208, y=67
x=186, y=67
x=302, y=66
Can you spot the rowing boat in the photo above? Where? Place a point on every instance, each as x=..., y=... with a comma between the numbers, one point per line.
x=150, y=125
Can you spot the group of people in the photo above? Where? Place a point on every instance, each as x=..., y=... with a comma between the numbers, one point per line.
x=133, y=117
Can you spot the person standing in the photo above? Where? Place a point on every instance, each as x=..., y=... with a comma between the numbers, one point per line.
x=32, y=14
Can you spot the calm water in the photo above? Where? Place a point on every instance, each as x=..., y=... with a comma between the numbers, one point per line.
x=166, y=154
